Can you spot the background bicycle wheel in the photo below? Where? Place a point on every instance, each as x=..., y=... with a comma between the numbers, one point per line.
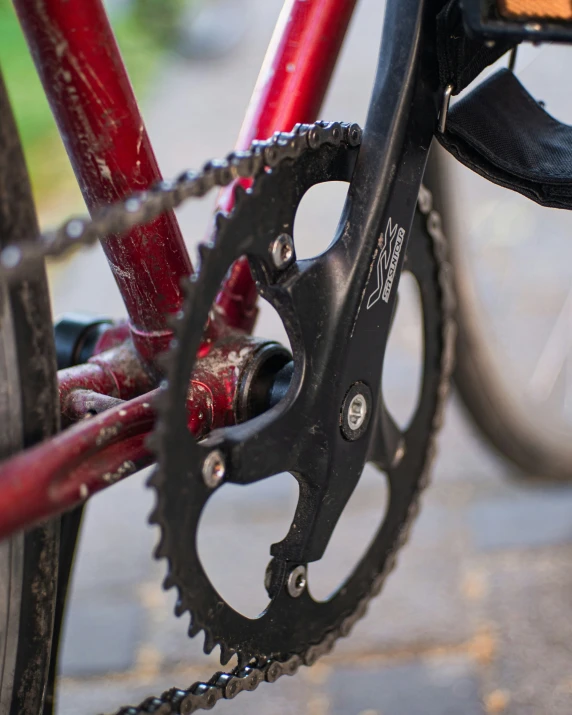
x=514, y=278
x=476, y=617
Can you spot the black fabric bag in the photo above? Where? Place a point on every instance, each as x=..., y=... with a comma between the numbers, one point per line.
x=502, y=133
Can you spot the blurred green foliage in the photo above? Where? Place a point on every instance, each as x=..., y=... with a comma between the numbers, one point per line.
x=141, y=29
x=160, y=18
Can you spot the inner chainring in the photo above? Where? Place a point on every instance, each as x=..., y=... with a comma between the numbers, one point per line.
x=281, y=438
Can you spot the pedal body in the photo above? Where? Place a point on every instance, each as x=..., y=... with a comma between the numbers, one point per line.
x=519, y=20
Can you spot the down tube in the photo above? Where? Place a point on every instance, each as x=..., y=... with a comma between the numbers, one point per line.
x=290, y=89
x=93, y=103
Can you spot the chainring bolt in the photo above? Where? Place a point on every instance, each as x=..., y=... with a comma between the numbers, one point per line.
x=356, y=411
x=214, y=469
x=296, y=582
x=282, y=251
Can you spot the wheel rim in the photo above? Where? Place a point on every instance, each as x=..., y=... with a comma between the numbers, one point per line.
x=11, y=550
x=28, y=413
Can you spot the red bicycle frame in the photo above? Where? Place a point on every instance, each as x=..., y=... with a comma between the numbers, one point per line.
x=91, y=98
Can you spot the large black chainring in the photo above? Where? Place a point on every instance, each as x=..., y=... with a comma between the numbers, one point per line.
x=288, y=625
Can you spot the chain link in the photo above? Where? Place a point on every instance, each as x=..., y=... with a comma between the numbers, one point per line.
x=141, y=208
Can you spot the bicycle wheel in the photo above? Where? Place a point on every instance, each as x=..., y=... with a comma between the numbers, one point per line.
x=514, y=305
x=28, y=400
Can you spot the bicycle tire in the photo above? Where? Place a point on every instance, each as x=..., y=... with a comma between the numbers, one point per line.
x=29, y=412
x=537, y=451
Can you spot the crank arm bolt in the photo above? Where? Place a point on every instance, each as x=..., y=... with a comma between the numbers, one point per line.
x=282, y=251
x=214, y=469
x=296, y=582
x=356, y=411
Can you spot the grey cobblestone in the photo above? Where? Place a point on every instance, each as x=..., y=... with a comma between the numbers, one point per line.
x=422, y=604
x=101, y=636
x=116, y=541
x=528, y=609
x=527, y=520
x=444, y=686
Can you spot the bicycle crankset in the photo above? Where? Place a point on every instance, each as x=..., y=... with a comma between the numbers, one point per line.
x=326, y=422
x=324, y=414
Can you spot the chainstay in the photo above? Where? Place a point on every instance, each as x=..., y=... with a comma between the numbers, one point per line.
x=204, y=695
x=140, y=208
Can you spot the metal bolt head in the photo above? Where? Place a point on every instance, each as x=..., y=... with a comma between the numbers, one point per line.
x=214, y=469
x=357, y=412
x=296, y=582
x=399, y=453
x=282, y=251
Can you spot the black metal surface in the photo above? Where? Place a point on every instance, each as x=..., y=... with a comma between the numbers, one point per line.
x=257, y=390
x=76, y=335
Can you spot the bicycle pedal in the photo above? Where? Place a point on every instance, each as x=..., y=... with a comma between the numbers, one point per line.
x=519, y=20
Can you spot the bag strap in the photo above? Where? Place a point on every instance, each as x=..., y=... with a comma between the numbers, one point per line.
x=461, y=57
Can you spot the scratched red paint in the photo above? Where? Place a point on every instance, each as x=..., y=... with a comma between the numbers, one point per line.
x=92, y=100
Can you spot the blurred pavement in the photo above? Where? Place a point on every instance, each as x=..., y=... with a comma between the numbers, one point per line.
x=478, y=615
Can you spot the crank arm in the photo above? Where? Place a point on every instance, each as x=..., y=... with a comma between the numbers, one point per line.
x=362, y=271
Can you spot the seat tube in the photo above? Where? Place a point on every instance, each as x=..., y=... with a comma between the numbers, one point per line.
x=92, y=100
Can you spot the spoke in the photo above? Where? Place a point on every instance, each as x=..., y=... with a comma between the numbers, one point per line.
x=555, y=354
x=568, y=374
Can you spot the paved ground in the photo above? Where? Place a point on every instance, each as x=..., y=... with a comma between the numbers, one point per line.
x=478, y=616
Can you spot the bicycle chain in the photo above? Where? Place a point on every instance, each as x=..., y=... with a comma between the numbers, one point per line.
x=143, y=207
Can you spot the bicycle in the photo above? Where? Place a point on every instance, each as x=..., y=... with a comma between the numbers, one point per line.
x=225, y=407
